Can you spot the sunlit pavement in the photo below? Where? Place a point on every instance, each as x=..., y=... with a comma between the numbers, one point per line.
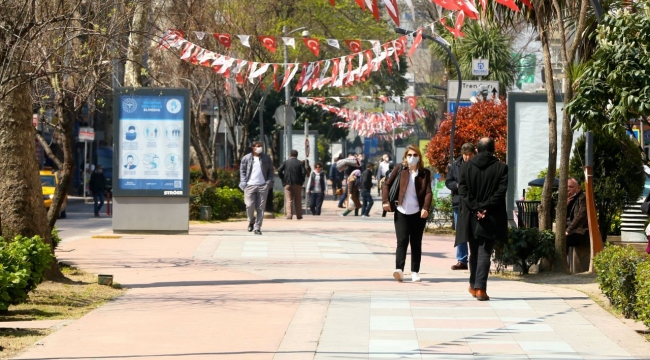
x=318, y=288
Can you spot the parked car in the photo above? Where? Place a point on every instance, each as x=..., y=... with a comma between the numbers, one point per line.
x=49, y=180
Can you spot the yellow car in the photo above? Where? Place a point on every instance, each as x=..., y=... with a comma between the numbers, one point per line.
x=49, y=180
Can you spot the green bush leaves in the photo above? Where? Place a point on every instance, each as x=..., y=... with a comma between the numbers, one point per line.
x=23, y=262
x=525, y=248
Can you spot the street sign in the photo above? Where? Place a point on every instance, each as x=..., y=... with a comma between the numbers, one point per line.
x=86, y=134
x=452, y=105
x=470, y=88
x=480, y=67
x=279, y=115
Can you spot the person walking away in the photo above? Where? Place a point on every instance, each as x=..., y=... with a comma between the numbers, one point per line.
x=256, y=180
x=482, y=185
x=346, y=175
x=366, y=186
x=391, y=166
x=577, y=230
x=336, y=177
x=382, y=170
x=353, y=189
x=292, y=174
x=467, y=152
x=316, y=189
x=413, y=204
x=97, y=185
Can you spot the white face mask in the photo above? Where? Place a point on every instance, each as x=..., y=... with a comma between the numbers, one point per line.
x=412, y=161
x=258, y=150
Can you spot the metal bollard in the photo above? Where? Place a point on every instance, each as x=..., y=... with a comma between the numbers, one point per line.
x=206, y=213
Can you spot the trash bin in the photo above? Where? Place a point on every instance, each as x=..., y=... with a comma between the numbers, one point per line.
x=206, y=213
x=527, y=214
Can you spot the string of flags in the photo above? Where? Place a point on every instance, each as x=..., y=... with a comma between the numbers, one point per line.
x=464, y=8
x=411, y=100
x=271, y=42
x=335, y=72
x=369, y=123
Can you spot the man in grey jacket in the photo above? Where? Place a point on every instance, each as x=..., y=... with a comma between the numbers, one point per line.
x=256, y=179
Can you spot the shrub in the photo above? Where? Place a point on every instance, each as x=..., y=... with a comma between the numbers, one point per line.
x=643, y=292
x=23, y=262
x=224, y=202
x=616, y=268
x=56, y=239
x=441, y=212
x=278, y=201
x=195, y=174
x=525, y=248
x=228, y=177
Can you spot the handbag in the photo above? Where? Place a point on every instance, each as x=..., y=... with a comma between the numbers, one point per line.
x=393, y=193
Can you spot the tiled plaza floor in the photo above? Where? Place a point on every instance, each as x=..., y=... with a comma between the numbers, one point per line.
x=319, y=288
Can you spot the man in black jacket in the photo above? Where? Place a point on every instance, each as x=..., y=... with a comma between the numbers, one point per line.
x=482, y=185
x=467, y=152
x=366, y=185
x=97, y=185
x=292, y=174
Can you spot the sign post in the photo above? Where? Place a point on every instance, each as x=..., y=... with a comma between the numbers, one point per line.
x=151, y=161
x=480, y=67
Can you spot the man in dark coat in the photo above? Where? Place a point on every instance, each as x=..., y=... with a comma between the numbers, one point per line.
x=482, y=186
x=577, y=231
x=97, y=185
x=451, y=182
x=292, y=174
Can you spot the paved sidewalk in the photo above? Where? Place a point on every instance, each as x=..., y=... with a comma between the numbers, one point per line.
x=318, y=288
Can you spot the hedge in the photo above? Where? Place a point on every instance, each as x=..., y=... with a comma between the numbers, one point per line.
x=524, y=248
x=225, y=202
x=23, y=262
x=616, y=273
x=643, y=292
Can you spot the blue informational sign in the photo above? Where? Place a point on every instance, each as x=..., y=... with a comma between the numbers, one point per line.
x=152, y=142
x=452, y=105
x=369, y=148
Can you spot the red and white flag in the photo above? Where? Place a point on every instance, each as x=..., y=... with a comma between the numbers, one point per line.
x=448, y=4
x=354, y=45
x=373, y=7
x=393, y=10
x=313, y=45
x=289, y=72
x=469, y=9
x=268, y=42
x=509, y=3
x=412, y=100
x=224, y=39
x=417, y=41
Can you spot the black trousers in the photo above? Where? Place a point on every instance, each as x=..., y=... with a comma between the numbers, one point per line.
x=316, y=202
x=480, y=253
x=409, y=230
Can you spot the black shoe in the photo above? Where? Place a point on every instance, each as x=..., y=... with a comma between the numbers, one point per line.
x=250, y=226
x=258, y=232
x=96, y=215
x=341, y=207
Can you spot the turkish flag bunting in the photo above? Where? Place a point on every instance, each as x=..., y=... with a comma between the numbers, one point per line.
x=412, y=100
x=268, y=42
x=368, y=61
x=302, y=76
x=332, y=2
x=483, y=4
x=275, y=77
x=393, y=10
x=335, y=70
x=417, y=41
x=224, y=39
x=509, y=3
x=383, y=98
x=354, y=45
x=459, y=23
x=289, y=72
x=400, y=45
x=389, y=63
x=360, y=2
x=469, y=9
x=527, y=3
x=313, y=45
x=448, y=4
x=375, y=10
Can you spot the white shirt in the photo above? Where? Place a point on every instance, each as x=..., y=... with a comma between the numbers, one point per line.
x=257, y=178
x=383, y=169
x=410, y=204
x=317, y=189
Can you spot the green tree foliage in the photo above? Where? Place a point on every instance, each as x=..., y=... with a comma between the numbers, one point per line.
x=615, y=86
x=618, y=175
x=485, y=42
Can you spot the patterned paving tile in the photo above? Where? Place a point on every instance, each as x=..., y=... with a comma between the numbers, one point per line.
x=292, y=249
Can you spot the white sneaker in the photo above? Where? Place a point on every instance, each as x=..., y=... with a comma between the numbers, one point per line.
x=398, y=275
x=415, y=277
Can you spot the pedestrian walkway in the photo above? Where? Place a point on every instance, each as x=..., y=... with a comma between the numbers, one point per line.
x=318, y=288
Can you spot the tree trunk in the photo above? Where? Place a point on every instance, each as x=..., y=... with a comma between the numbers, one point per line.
x=21, y=197
x=134, y=59
x=545, y=213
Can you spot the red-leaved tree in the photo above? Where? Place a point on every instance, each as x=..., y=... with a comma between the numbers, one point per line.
x=485, y=118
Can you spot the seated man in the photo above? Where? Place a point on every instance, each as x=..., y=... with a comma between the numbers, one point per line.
x=577, y=230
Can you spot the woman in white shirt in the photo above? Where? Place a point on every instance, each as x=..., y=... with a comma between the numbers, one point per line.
x=413, y=203
x=316, y=189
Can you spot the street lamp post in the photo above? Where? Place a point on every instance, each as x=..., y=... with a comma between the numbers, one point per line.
x=460, y=83
x=288, y=128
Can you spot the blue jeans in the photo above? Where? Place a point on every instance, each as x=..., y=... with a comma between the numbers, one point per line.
x=367, y=202
x=461, y=250
x=344, y=196
x=98, y=197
